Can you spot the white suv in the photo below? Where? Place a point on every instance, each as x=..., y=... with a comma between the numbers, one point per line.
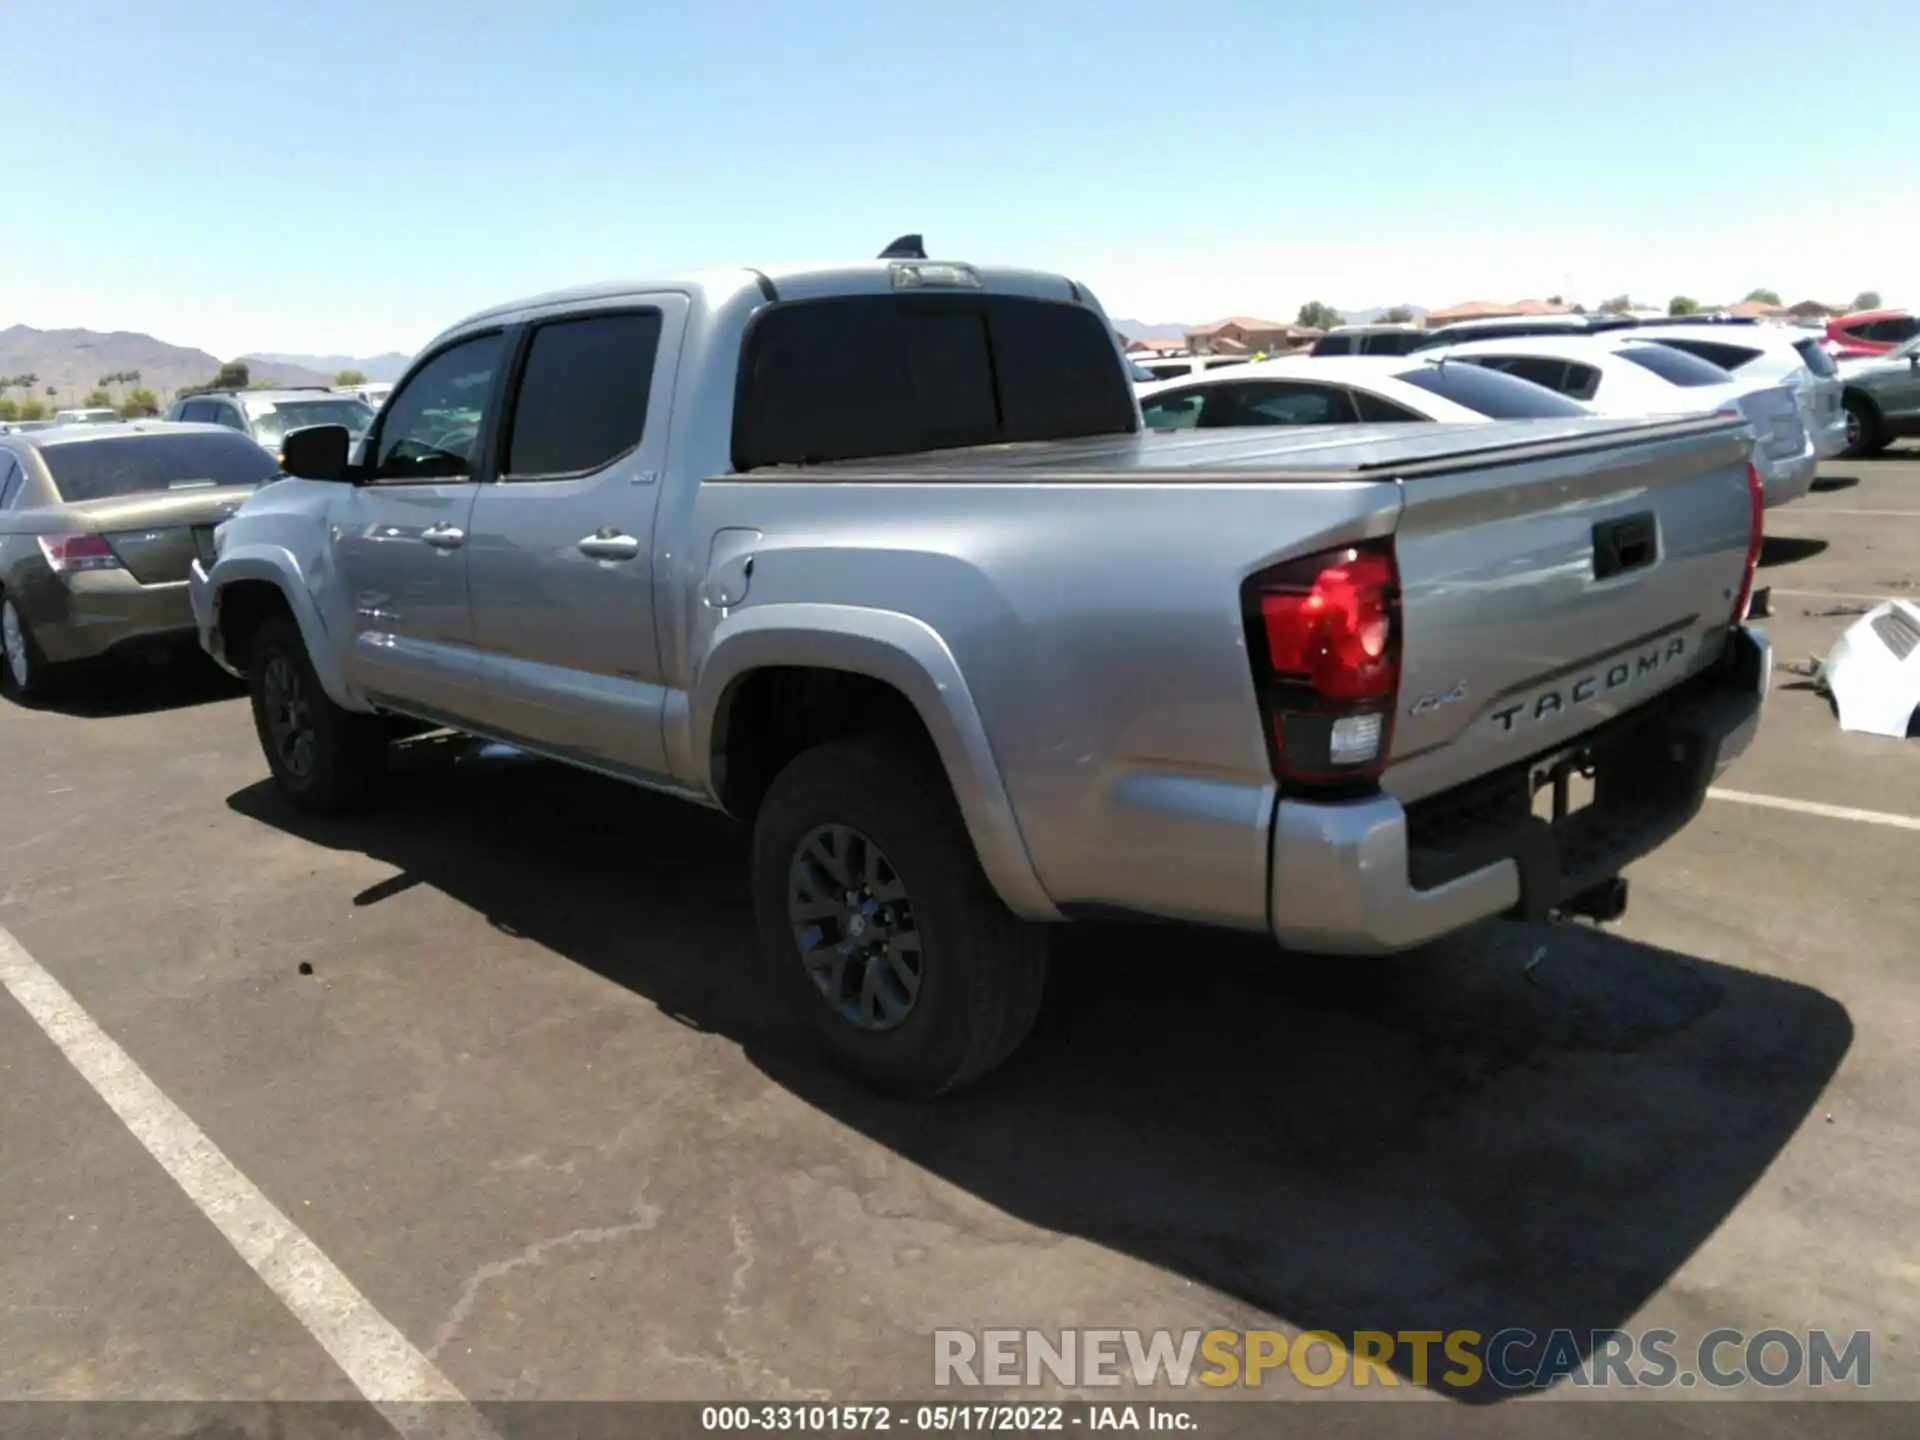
x=1772, y=355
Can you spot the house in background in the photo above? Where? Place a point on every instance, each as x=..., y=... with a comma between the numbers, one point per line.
x=1492, y=310
x=1244, y=335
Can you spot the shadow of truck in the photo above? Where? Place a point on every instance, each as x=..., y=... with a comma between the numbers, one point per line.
x=1453, y=1139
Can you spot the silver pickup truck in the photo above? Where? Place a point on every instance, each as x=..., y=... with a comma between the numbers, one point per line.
x=879, y=559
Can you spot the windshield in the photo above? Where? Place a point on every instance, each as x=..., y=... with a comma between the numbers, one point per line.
x=1491, y=393
x=143, y=464
x=271, y=426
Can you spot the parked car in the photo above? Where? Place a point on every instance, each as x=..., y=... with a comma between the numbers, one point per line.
x=1347, y=390
x=1777, y=356
x=1369, y=340
x=1871, y=332
x=98, y=525
x=1506, y=327
x=1881, y=394
x=1173, y=367
x=267, y=416
x=1620, y=374
x=24, y=427
x=101, y=416
x=717, y=537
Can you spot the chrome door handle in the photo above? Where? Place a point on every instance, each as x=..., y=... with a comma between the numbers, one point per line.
x=610, y=545
x=444, y=537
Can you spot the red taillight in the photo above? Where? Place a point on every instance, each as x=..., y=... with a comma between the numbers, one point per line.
x=1329, y=668
x=67, y=554
x=1756, y=532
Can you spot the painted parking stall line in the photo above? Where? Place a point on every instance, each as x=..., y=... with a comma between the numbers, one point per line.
x=405, y=1386
x=1814, y=807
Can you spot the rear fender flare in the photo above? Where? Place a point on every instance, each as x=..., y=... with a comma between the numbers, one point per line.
x=909, y=655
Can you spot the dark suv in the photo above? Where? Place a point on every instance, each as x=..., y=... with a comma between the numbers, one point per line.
x=267, y=415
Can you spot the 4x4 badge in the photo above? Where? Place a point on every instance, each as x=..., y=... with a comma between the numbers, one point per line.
x=1429, y=703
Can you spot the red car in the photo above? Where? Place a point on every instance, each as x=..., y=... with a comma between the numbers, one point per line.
x=1871, y=332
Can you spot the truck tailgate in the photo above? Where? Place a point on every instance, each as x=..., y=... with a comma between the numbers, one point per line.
x=1543, y=597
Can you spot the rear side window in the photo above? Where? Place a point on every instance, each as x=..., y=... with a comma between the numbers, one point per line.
x=1891, y=331
x=582, y=396
x=1674, y=366
x=152, y=462
x=1815, y=357
x=1170, y=372
x=1490, y=393
x=842, y=379
x=1727, y=357
x=12, y=480
x=1333, y=345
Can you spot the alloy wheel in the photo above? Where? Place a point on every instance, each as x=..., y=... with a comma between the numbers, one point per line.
x=853, y=923
x=13, y=636
x=289, y=716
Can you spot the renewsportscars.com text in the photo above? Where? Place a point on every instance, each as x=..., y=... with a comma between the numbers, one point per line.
x=1511, y=1359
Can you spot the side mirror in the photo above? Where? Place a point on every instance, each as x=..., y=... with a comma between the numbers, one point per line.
x=316, y=452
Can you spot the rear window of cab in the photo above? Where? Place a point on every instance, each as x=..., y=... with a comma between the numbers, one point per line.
x=870, y=375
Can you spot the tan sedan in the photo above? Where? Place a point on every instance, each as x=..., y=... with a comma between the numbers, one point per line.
x=99, y=525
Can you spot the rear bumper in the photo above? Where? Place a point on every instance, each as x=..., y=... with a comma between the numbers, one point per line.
x=1788, y=480
x=1372, y=877
x=1830, y=436
x=86, y=616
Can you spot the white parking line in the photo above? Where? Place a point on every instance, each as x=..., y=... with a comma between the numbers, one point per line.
x=1828, y=510
x=406, y=1387
x=1829, y=594
x=1814, y=807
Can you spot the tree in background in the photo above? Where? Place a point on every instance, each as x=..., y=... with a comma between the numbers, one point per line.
x=140, y=404
x=1555, y=300
x=1867, y=300
x=1396, y=315
x=349, y=377
x=1683, y=305
x=1617, y=305
x=1317, y=314
x=31, y=410
x=97, y=399
x=1765, y=297
x=9, y=408
x=234, y=375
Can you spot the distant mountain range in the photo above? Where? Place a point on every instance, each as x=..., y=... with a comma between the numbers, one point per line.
x=73, y=362
x=1141, y=330
x=390, y=366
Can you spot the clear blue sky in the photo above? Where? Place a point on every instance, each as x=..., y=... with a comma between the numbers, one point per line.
x=353, y=175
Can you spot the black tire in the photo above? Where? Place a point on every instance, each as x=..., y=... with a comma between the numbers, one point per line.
x=344, y=755
x=41, y=678
x=981, y=969
x=1865, y=435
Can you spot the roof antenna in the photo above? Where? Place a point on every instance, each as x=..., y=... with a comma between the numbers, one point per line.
x=907, y=247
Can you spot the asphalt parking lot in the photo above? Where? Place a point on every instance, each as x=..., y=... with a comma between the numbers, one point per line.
x=530, y=1104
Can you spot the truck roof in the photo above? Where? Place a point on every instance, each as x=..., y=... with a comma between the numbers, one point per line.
x=716, y=287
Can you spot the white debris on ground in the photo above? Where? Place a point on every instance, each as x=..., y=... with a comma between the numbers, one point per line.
x=1873, y=671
